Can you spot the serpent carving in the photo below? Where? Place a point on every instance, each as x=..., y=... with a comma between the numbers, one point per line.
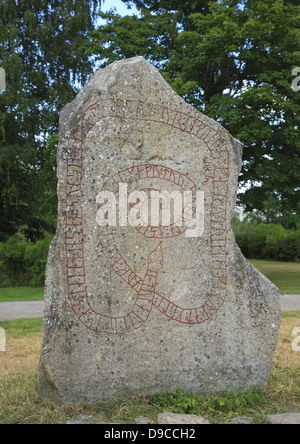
x=144, y=287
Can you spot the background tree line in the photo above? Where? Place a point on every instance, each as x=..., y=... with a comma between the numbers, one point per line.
x=42, y=51
x=231, y=59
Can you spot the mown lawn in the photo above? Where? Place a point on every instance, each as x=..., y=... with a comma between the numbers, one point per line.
x=285, y=275
x=20, y=402
x=20, y=294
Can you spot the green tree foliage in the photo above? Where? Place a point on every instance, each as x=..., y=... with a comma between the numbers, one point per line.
x=233, y=60
x=41, y=50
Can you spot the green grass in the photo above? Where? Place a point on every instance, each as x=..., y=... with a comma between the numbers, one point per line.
x=288, y=283
x=285, y=275
x=219, y=409
x=291, y=314
x=22, y=327
x=20, y=294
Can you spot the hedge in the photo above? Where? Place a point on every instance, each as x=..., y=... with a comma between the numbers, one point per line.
x=23, y=263
x=267, y=241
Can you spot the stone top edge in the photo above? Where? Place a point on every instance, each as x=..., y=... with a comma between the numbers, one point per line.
x=106, y=76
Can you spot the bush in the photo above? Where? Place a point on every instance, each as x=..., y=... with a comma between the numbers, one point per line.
x=282, y=248
x=12, y=264
x=36, y=260
x=24, y=263
x=267, y=241
x=298, y=247
x=256, y=245
x=252, y=244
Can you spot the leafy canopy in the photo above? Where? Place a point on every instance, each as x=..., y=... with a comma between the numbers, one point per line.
x=41, y=51
x=233, y=60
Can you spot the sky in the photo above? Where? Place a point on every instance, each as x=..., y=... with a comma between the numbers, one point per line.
x=121, y=8
x=119, y=5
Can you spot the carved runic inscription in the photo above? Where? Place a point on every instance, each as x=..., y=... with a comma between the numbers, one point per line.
x=146, y=299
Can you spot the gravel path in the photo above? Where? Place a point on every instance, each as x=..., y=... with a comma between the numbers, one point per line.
x=290, y=302
x=21, y=310
x=24, y=310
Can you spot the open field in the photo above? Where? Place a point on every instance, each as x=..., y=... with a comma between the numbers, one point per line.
x=285, y=275
x=20, y=402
